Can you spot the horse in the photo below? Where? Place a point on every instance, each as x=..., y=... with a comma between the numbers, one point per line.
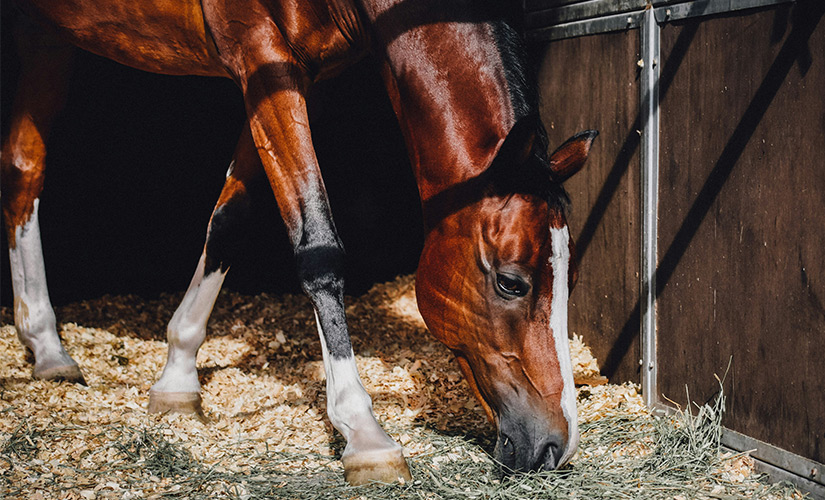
x=497, y=263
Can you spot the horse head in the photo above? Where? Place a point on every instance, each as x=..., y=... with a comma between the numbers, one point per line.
x=493, y=283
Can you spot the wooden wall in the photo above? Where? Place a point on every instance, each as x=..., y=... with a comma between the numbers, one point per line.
x=741, y=276
x=591, y=83
x=741, y=215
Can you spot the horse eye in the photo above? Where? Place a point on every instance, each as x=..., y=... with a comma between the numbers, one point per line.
x=510, y=286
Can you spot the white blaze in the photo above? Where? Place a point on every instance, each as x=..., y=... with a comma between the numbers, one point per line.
x=560, y=262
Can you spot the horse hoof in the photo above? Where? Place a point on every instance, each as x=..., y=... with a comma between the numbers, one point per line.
x=176, y=402
x=69, y=373
x=382, y=466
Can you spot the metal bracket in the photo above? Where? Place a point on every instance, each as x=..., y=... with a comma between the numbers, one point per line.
x=780, y=464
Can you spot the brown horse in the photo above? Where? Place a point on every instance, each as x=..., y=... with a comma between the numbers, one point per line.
x=497, y=262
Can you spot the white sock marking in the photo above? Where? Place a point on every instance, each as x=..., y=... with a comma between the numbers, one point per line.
x=347, y=399
x=33, y=313
x=349, y=407
x=187, y=331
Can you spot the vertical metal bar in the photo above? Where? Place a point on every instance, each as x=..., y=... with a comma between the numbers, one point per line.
x=649, y=104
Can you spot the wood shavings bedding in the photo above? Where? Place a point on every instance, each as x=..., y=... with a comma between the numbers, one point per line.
x=263, y=391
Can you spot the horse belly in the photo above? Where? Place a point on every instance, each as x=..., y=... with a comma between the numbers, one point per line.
x=160, y=36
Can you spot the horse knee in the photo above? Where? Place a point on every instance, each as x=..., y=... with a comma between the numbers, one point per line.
x=321, y=269
x=14, y=169
x=22, y=184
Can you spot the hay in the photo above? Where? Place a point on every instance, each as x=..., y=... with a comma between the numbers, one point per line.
x=268, y=436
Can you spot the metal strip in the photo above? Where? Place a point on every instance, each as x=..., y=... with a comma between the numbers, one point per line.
x=665, y=11
x=580, y=11
x=700, y=8
x=649, y=112
x=617, y=22
x=814, y=491
x=806, y=469
x=613, y=6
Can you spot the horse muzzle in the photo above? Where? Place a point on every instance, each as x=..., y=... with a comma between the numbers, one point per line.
x=524, y=445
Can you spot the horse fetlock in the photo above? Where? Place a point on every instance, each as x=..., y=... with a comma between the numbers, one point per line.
x=185, y=339
x=180, y=375
x=176, y=402
x=36, y=324
x=61, y=368
x=44, y=342
x=51, y=361
x=350, y=409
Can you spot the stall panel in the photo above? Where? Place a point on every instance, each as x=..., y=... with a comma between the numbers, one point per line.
x=741, y=273
x=591, y=83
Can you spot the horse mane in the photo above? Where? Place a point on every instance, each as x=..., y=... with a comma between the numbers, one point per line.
x=520, y=81
x=534, y=176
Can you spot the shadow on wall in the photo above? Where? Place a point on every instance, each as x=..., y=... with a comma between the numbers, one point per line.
x=798, y=23
x=136, y=162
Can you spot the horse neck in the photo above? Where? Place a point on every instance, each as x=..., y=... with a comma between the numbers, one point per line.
x=448, y=84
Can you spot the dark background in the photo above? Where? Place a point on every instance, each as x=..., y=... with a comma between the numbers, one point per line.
x=136, y=162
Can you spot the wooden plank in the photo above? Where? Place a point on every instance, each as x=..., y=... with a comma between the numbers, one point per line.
x=741, y=277
x=586, y=83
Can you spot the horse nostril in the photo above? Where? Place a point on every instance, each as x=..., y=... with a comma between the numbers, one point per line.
x=552, y=453
x=520, y=451
x=505, y=453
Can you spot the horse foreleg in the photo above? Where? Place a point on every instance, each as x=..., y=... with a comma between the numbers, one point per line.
x=280, y=127
x=178, y=388
x=275, y=80
x=45, y=64
x=370, y=454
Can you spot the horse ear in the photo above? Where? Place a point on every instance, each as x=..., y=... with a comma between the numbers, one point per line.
x=518, y=144
x=569, y=158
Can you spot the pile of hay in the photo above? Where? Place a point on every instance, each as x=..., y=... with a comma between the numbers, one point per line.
x=267, y=435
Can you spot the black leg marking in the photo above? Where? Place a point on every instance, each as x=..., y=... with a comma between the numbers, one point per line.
x=226, y=228
x=320, y=270
x=320, y=255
